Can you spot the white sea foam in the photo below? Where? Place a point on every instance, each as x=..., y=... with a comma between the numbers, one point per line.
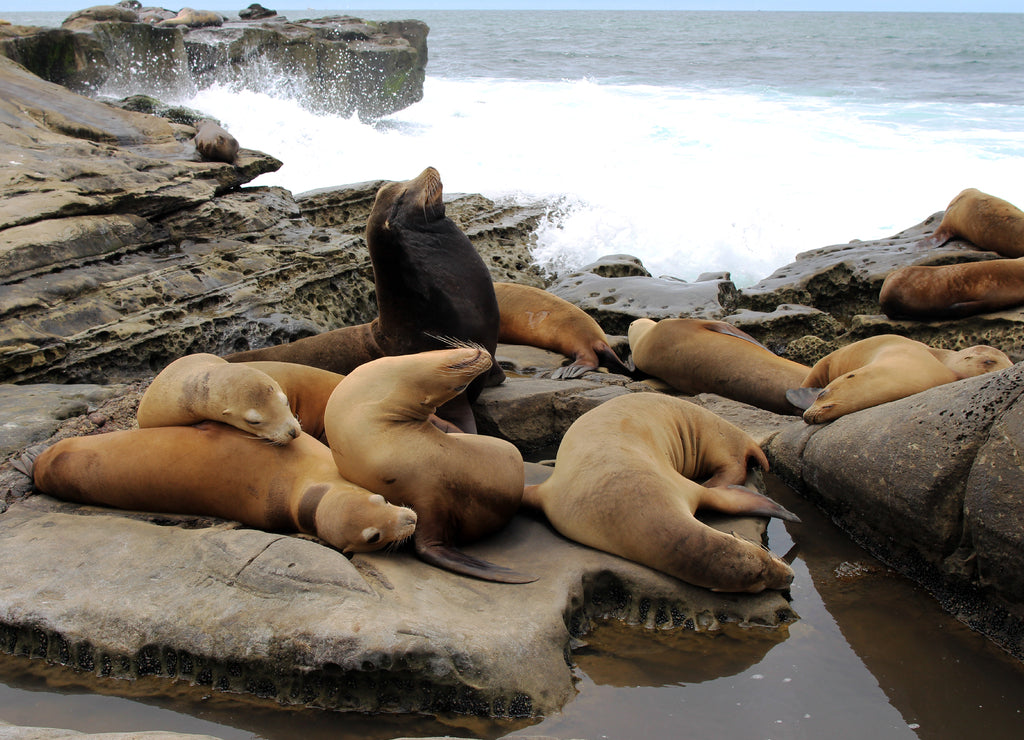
x=688, y=181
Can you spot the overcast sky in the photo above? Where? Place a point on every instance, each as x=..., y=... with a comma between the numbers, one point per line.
x=1005, y=6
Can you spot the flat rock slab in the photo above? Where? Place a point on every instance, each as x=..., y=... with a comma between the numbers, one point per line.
x=283, y=617
x=15, y=732
x=32, y=413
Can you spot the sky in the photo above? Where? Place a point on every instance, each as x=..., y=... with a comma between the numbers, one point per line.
x=1004, y=6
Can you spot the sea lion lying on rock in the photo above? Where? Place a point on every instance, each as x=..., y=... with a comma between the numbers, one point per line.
x=928, y=292
x=624, y=483
x=882, y=369
x=214, y=144
x=193, y=19
x=984, y=220
x=463, y=487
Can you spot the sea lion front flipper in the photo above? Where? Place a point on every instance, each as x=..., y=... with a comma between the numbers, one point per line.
x=802, y=398
x=574, y=370
x=725, y=328
x=456, y=561
x=934, y=240
x=742, y=501
x=613, y=362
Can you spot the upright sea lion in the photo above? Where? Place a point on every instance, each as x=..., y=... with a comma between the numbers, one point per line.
x=698, y=356
x=984, y=220
x=882, y=369
x=203, y=386
x=462, y=486
x=541, y=319
x=431, y=285
x=624, y=483
x=215, y=470
x=952, y=291
x=214, y=144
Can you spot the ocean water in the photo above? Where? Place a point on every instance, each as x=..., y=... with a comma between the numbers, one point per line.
x=697, y=141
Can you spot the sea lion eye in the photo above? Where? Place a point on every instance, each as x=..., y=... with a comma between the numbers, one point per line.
x=254, y=417
x=371, y=535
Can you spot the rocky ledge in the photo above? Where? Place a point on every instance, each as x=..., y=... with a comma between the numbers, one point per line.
x=336, y=64
x=119, y=251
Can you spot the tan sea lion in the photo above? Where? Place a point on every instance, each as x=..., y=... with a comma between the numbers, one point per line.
x=463, y=487
x=984, y=220
x=193, y=19
x=624, y=483
x=973, y=361
x=538, y=318
x=881, y=369
x=698, y=356
x=212, y=469
x=431, y=287
x=307, y=388
x=203, y=386
x=214, y=144
x=952, y=291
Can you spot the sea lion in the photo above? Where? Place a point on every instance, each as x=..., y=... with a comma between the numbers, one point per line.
x=193, y=19
x=624, y=483
x=880, y=369
x=212, y=469
x=203, y=386
x=984, y=220
x=541, y=319
x=973, y=361
x=431, y=286
x=214, y=144
x=462, y=486
x=698, y=356
x=952, y=291
x=307, y=388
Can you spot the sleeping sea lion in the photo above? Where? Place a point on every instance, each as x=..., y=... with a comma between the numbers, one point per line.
x=984, y=220
x=624, y=483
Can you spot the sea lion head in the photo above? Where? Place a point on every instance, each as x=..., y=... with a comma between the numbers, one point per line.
x=353, y=519
x=977, y=360
x=260, y=406
x=637, y=329
x=418, y=201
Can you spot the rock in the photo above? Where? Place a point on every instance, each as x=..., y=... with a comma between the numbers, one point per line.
x=32, y=413
x=615, y=302
x=931, y=484
x=255, y=12
x=16, y=732
x=778, y=329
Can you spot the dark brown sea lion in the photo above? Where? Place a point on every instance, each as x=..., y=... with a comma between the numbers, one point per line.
x=432, y=287
x=984, y=220
x=698, y=356
x=952, y=291
x=463, y=487
x=214, y=144
x=213, y=469
x=624, y=483
x=538, y=318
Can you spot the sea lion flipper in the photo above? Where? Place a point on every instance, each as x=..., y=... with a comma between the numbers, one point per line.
x=802, y=398
x=742, y=501
x=728, y=329
x=933, y=240
x=454, y=560
x=612, y=361
x=25, y=462
x=568, y=372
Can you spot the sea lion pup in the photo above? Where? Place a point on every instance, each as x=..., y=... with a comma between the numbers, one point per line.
x=462, y=486
x=623, y=483
x=973, y=361
x=212, y=469
x=307, y=389
x=430, y=284
x=882, y=369
x=541, y=319
x=952, y=291
x=214, y=144
x=203, y=386
x=984, y=220
x=698, y=356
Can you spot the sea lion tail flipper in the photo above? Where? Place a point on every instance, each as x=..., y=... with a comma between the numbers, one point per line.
x=742, y=501
x=454, y=560
x=573, y=370
x=935, y=239
x=802, y=398
x=26, y=461
x=725, y=328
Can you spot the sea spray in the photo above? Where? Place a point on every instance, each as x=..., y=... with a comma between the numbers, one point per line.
x=690, y=181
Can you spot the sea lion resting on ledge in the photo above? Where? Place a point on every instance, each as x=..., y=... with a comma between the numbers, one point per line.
x=697, y=356
x=463, y=487
x=984, y=220
x=213, y=469
x=952, y=291
x=215, y=144
x=623, y=483
x=882, y=369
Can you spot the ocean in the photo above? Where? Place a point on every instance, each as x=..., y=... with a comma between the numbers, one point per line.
x=697, y=141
